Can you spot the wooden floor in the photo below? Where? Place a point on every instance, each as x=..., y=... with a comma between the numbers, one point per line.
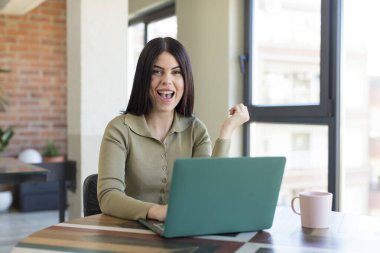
x=16, y=225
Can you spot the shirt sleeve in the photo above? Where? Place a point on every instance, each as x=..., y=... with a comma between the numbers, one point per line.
x=111, y=186
x=221, y=148
x=203, y=146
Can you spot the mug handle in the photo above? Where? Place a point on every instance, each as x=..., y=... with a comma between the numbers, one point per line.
x=294, y=210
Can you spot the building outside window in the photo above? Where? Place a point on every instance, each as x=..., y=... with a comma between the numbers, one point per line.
x=360, y=89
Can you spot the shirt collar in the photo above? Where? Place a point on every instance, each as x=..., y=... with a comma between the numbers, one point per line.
x=139, y=125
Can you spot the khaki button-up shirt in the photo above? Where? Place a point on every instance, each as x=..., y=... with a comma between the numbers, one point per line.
x=135, y=168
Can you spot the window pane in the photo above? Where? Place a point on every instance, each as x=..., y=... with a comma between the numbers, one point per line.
x=305, y=148
x=360, y=107
x=166, y=27
x=135, y=45
x=286, y=41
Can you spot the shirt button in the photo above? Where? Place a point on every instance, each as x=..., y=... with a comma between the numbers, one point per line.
x=163, y=155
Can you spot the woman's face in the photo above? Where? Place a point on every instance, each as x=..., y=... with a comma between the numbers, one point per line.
x=167, y=84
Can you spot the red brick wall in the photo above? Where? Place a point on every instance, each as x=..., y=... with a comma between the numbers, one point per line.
x=33, y=46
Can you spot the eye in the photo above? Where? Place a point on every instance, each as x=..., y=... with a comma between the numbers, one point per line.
x=177, y=72
x=157, y=72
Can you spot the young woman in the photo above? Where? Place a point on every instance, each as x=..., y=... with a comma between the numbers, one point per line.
x=139, y=148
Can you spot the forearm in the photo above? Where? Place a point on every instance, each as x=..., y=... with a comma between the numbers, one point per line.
x=221, y=148
x=238, y=115
x=118, y=204
x=225, y=132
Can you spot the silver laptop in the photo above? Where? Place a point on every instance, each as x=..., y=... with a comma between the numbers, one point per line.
x=221, y=195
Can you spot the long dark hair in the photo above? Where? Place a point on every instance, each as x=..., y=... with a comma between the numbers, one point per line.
x=139, y=102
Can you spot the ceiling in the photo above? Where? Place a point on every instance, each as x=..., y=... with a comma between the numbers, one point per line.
x=18, y=7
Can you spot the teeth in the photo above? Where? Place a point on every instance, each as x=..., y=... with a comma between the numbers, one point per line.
x=166, y=92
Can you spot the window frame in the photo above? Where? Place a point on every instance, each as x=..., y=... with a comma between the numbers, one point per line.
x=327, y=112
x=162, y=12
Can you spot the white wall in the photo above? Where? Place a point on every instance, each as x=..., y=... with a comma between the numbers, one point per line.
x=212, y=32
x=97, y=80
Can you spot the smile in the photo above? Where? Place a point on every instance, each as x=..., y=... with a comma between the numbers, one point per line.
x=166, y=94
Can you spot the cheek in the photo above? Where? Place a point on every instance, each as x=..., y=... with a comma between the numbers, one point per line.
x=181, y=90
x=180, y=87
x=153, y=85
x=151, y=92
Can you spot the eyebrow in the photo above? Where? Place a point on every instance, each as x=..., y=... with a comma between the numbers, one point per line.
x=156, y=66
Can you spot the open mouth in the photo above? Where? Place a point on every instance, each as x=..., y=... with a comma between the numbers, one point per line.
x=166, y=94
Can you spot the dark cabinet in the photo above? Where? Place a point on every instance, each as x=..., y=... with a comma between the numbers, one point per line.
x=50, y=195
x=38, y=196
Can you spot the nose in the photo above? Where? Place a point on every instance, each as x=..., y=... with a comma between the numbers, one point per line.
x=167, y=78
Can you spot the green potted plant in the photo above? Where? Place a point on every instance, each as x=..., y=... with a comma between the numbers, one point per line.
x=6, y=195
x=5, y=136
x=52, y=154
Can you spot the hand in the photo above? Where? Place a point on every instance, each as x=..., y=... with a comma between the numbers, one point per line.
x=158, y=212
x=238, y=115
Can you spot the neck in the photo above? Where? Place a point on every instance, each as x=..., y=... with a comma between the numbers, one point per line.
x=160, y=123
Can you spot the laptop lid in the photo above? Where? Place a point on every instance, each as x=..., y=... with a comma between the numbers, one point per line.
x=223, y=195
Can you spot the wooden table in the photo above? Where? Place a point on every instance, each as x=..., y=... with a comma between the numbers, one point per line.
x=102, y=233
x=12, y=171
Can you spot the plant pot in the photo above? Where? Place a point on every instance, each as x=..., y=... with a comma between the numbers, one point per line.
x=55, y=159
x=6, y=199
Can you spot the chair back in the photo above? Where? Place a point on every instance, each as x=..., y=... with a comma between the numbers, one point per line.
x=90, y=198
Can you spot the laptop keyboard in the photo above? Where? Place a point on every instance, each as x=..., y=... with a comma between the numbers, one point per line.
x=160, y=225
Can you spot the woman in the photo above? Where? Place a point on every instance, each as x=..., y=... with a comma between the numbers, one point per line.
x=139, y=148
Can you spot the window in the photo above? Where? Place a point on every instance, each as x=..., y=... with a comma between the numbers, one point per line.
x=301, y=141
x=286, y=47
x=360, y=107
x=305, y=148
x=291, y=89
x=166, y=27
x=158, y=23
